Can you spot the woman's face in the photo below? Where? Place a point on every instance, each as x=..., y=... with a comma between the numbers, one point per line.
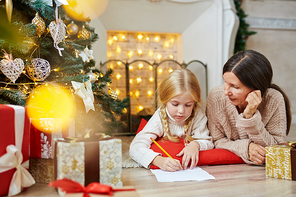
x=180, y=106
x=235, y=90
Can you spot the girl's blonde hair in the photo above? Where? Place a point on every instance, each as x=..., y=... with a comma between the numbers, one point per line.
x=176, y=83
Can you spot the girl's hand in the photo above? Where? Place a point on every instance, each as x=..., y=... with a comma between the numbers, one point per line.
x=166, y=163
x=190, y=152
x=257, y=153
x=253, y=99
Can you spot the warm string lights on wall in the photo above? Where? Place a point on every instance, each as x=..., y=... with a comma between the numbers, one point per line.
x=130, y=46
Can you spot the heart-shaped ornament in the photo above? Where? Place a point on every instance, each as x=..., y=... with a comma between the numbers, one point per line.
x=12, y=69
x=57, y=33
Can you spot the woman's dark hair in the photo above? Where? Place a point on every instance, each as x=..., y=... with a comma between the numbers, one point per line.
x=255, y=72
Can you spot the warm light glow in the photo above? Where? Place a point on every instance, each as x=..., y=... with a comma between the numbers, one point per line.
x=117, y=92
x=166, y=44
x=124, y=110
x=131, y=67
x=172, y=40
x=140, y=36
x=109, y=54
x=111, y=66
x=157, y=38
x=140, y=107
x=118, y=76
x=110, y=41
x=131, y=93
x=130, y=54
x=149, y=92
x=160, y=70
x=139, y=79
x=147, y=38
x=151, y=79
x=56, y=69
x=150, y=53
x=115, y=38
x=171, y=70
x=51, y=102
x=141, y=66
x=137, y=93
x=131, y=81
x=119, y=63
x=123, y=37
x=159, y=56
x=140, y=52
x=171, y=56
x=150, y=67
x=118, y=49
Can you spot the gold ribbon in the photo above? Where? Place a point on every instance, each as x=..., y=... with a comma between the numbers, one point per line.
x=89, y=136
x=84, y=90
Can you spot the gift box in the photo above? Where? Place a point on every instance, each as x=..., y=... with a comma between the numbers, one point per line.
x=42, y=170
x=281, y=162
x=42, y=142
x=89, y=161
x=14, y=150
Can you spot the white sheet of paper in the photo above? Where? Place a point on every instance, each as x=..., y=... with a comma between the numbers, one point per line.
x=196, y=174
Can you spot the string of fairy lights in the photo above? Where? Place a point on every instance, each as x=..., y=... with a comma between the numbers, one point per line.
x=130, y=46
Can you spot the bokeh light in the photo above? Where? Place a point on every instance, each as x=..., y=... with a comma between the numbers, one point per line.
x=51, y=101
x=80, y=10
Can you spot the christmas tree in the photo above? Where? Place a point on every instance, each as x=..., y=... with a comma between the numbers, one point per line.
x=243, y=33
x=41, y=44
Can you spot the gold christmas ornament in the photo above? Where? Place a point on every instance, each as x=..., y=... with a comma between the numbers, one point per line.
x=113, y=94
x=12, y=69
x=8, y=7
x=39, y=69
x=83, y=33
x=72, y=29
x=40, y=25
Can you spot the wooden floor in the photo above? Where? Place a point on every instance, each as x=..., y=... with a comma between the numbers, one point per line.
x=231, y=180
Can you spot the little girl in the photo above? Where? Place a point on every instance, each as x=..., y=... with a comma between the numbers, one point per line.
x=181, y=115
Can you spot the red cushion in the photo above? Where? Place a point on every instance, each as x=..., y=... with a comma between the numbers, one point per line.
x=206, y=157
x=142, y=125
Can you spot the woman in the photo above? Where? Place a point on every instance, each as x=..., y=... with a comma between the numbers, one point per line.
x=248, y=112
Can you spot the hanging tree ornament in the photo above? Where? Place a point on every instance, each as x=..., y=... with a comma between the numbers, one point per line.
x=40, y=24
x=92, y=76
x=58, y=32
x=83, y=33
x=38, y=69
x=8, y=7
x=11, y=68
x=86, y=54
x=72, y=29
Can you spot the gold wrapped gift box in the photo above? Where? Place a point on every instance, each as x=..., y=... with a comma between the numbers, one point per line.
x=281, y=162
x=89, y=161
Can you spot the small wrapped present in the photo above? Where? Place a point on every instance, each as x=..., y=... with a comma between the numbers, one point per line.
x=281, y=161
x=88, y=160
x=42, y=170
x=14, y=150
x=42, y=143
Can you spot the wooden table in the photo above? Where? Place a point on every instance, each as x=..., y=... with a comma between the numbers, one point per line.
x=231, y=180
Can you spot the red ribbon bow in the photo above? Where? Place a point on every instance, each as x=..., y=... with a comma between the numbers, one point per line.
x=70, y=186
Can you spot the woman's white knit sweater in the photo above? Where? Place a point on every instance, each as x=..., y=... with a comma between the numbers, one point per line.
x=140, y=147
x=231, y=131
